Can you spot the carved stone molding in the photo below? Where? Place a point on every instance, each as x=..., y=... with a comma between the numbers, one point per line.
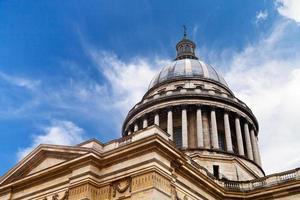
x=151, y=180
x=91, y=192
x=56, y=196
x=121, y=186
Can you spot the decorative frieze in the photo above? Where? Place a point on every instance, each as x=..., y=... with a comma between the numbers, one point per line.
x=89, y=191
x=151, y=180
x=56, y=196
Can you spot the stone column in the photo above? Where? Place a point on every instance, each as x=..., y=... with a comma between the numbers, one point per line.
x=239, y=136
x=184, y=128
x=170, y=123
x=199, y=128
x=156, y=119
x=228, y=138
x=206, y=134
x=258, y=152
x=214, y=129
x=145, y=122
x=255, y=147
x=136, y=128
x=248, y=141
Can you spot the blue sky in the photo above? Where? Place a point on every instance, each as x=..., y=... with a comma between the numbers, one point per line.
x=70, y=70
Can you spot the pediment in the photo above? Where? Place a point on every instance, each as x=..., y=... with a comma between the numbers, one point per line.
x=46, y=163
x=43, y=158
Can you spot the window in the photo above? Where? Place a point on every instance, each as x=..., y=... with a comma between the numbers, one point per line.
x=177, y=134
x=216, y=171
x=221, y=139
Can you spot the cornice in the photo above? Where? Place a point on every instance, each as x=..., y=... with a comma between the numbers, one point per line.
x=152, y=143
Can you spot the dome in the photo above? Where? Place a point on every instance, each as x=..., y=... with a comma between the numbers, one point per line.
x=187, y=68
x=191, y=103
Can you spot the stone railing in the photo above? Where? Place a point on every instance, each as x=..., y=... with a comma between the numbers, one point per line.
x=267, y=181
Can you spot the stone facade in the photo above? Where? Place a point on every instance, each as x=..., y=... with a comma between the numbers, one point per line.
x=144, y=165
x=189, y=138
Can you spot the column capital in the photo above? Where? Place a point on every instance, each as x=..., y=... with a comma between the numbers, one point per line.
x=145, y=116
x=213, y=107
x=156, y=111
x=227, y=110
x=199, y=106
x=237, y=115
x=184, y=106
x=170, y=108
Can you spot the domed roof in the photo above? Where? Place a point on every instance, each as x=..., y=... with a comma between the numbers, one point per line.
x=187, y=68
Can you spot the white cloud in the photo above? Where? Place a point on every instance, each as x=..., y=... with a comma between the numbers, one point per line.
x=289, y=9
x=124, y=85
x=60, y=133
x=261, y=16
x=19, y=81
x=127, y=81
x=266, y=75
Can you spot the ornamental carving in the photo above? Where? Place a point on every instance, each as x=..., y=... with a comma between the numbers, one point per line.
x=122, y=186
x=174, y=195
x=56, y=196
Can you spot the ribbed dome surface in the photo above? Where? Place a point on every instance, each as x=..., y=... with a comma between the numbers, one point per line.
x=187, y=68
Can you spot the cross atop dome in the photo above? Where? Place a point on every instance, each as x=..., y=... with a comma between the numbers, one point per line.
x=185, y=48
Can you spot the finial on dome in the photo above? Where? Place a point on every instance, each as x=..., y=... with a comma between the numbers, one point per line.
x=185, y=48
x=184, y=31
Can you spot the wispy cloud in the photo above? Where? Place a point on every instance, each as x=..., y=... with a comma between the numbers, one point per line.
x=127, y=81
x=289, y=9
x=261, y=16
x=124, y=85
x=59, y=132
x=19, y=81
x=266, y=75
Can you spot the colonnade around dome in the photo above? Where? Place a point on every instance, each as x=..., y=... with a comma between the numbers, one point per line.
x=198, y=115
x=204, y=127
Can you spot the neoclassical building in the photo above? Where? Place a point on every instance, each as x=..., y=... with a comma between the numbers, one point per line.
x=189, y=138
